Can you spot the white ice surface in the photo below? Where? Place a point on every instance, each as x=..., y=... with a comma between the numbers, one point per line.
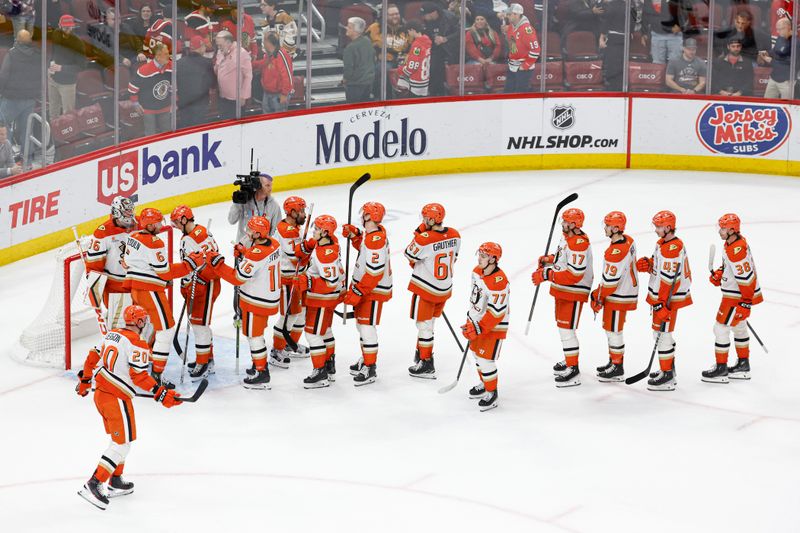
x=396, y=456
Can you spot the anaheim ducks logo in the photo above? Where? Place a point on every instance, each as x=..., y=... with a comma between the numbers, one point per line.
x=102, y=227
x=673, y=247
x=376, y=238
x=737, y=249
x=328, y=251
x=580, y=241
x=498, y=279
x=255, y=250
x=616, y=251
x=198, y=231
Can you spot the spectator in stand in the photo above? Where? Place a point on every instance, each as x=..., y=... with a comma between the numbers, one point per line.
x=733, y=74
x=359, y=62
x=583, y=15
x=8, y=167
x=687, y=73
x=195, y=78
x=397, y=43
x=142, y=22
x=753, y=41
x=663, y=21
x=483, y=44
x=454, y=7
x=20, y=84
x=276, y=75
x=612, y=43
x=66, y=61
x=248, y=31
x=26, y=16
x=523, y=50
x=199, y=23
x=779, y=57
x=151, y=88
x=282, y=23
x=779, y=9
x=442, y=28
x=234, y=71
x=413, y=75
x=486, y=9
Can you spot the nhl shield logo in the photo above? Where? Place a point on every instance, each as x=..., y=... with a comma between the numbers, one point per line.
x=563, y=117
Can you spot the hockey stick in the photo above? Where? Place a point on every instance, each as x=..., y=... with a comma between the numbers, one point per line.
x=712, y=252
x=101, y=323
x=189, y=306
x=643, y=374
x=191, y=399
x=285, y=329
x=359, y=182
x=455, y=335
x=350, y=314
x=237, y=316
x=448, y=388
x=569, y=199
x=175, y=342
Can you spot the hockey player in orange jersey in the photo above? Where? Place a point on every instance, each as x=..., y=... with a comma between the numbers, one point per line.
x=148, y=271
x=487, y=321
x=431, y=254
x=104, y=259
x=617, y=294
x=740, y=291
x=196, y=238
x=258, y=275
x=371, y=286
x=124, y=359
x=570, y=272
x=667, y=266
x=321, y=286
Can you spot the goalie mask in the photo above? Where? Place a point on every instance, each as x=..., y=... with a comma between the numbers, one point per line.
x=122, y=212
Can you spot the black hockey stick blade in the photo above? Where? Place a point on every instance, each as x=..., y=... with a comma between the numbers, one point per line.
x=350, y=314
x=197, y=393
x=638, y=377
x=359, y=182
x=568, y=200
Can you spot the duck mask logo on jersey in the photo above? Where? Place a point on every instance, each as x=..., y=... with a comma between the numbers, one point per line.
x=743, y=129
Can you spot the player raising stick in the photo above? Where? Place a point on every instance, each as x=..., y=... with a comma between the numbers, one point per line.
x=570, y=272
x=148, y=271
x=258, y=274
x=617, y=293
x=487, y=321
x=370, y=288
x=740, y=291
x=206, y=290
x=668, y=265
x=432, y=254
x=125, y=358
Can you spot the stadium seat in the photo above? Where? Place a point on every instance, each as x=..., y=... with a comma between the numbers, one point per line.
x=638, y=51
x=298, y=99
x=91, y=121
x=65, y=132
x=90, y=88
x=581, y=46
x=131, y=124
x=555, y=76
x=496, y=77
x=646, y=77
x=583, y=75
x=700, y=16
x=86, y=11
x=554, y=51
x=473, y=79
x=124, y=79
x=760, y=79
x=702, y=46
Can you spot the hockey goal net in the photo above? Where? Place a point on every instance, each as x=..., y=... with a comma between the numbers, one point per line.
x=66, y=315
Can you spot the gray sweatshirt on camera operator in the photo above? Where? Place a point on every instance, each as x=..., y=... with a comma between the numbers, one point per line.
x=242, y=213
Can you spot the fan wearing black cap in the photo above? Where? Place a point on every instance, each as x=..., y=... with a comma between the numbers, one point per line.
x=733, y=74
x=441, y=26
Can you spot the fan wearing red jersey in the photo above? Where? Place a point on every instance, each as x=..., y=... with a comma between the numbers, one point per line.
x=370, y=288
x=291, y=313
x=258, y=275
x=199, y=23
x=668, y=266
x=104, y=259
x=148, y=272
x=487, y=321
x=617, y=294
x=740, y=292
x=321, y=286
x=160, y=32
x=124, y=359
x=197, y=239
x=570, y=272
x=432, y=253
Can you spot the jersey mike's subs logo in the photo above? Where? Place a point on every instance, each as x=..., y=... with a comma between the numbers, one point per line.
x=123, y=174
x=743, y=129
x=379, y=142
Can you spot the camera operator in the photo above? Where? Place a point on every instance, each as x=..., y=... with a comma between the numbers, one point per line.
x=254, y=198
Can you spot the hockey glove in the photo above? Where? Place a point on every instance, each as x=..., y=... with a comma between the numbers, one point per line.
x=167, y=397
x=545, y=259
x=596, y=302
x=215, y=259
x=644, y=264
x=470, y=330
x=308, y=246
x=541, y=275
x=743, y=310
x=353, y=296
x=239, y=250
x=716, y=277
x=84, y=386
x=301, y=283
x=349, y=231
x=194, y=260
x=660, y=313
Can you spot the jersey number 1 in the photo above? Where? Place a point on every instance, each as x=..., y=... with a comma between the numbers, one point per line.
x=442, y=269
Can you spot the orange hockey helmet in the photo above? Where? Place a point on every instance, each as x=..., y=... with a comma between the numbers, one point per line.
x=434, y=211
x=149, y=216
x=294, y=203
x=326, y=223
x=259, y=225
x=375, y=210
x=730, y=221
x=134, y=314
x=664, y=218
x=180, y=212
x=491, y=248
x=616, y=218
x=573, y=215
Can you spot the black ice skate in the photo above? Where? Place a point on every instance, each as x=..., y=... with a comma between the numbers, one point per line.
x=559, y=368
x=716, y=374
x=92, y=492
x=119, y=487
x=300, y=353
x=278, y=358
x=251, y=371
x=741, y=370
x=571, y=377
x=356, y=367
x=477, y=391
x=612, y=374
x=258, y=381
x=664, y=381
x=489, y=401
x=423, y=369
x=366, y=376
x=202, y=371
x=601, y=369
x=161, y=382
x=330, y=368
x=317, y=379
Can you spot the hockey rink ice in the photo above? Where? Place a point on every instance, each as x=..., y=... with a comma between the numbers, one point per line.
x=396, y=456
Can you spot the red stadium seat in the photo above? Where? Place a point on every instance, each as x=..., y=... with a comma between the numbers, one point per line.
x=583, y=75
x=760, y=79
x=496, y=77
x=581, y=46
x=90, y=87
x=131, y=123
x=554, y=51
x=65, y=132
x=555, y=76
x=91, y=120
x=646, y=77
x=299, y=97
x=124, y=78
x=473, y=79
x=700, y=16
x=638, y=51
